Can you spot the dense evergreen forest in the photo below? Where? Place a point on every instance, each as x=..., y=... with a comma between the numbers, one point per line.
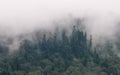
x=59, y=54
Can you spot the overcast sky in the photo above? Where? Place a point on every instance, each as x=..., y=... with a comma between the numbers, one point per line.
x=18, y=16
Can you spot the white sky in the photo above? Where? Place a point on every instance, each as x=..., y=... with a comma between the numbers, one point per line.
x=20, y=15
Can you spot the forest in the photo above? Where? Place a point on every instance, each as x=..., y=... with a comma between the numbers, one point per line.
x=60, y=54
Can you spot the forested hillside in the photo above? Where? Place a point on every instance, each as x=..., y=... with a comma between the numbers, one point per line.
x=59, y=54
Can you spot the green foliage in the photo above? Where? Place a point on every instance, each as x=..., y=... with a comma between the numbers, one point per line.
x=52, y=55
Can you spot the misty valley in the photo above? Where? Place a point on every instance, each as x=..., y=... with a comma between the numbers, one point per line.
x=59, y=37
x=60, y=53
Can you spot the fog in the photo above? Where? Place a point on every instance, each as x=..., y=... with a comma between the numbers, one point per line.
x=101, y=17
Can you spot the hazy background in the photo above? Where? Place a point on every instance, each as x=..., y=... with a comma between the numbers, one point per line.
x=101, y=17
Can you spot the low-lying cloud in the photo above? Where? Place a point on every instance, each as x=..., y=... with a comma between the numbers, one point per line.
x=24, y=16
